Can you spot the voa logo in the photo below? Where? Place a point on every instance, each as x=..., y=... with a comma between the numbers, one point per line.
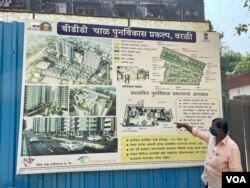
x=236, y=179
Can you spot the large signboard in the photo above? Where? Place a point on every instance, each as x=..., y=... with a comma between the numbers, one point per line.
x=98, y=97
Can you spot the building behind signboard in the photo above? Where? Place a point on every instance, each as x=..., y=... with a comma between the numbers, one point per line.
x=157, y=9
x=238, y=85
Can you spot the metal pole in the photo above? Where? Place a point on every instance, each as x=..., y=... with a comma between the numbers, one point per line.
x=72, y=6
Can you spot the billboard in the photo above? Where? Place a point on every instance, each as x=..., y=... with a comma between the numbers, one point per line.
x=104, y=97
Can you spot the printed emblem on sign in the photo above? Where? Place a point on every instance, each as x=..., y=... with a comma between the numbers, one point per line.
x=45, y=26
x=83, y=159
x=28, y=161
x=205, y=39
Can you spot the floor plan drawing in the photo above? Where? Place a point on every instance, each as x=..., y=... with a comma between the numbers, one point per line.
x=138, y=115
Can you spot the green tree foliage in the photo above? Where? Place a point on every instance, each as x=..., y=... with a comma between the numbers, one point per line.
x=232, y=64
x=243, y=27
x=242, y=67
x=228, y=59
x=247, y=4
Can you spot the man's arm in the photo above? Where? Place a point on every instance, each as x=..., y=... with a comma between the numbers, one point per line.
x=186, y=126
x=204, y=135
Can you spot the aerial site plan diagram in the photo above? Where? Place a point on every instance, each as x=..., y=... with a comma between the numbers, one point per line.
x=68, y=60
x=181, y=69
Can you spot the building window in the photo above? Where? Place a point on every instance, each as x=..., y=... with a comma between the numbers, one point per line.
x=86, y=11
x=196, y=12
x=187, y=12
x=126, y=11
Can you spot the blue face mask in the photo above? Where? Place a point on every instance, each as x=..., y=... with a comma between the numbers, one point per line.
x=213, y=131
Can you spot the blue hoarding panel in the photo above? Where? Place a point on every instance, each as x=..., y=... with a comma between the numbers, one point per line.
x=11, y=61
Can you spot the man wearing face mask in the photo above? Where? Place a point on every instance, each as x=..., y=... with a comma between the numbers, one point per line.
x=223, y=154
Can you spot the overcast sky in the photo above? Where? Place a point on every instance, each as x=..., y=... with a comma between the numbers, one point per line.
x=225, y=15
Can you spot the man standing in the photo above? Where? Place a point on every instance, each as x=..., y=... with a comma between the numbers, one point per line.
x=223, y=154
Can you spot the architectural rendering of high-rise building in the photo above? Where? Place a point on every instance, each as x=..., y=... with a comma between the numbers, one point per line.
x=74, y=126
x=41, y=99
x=108, y=124
x=91, y=125
x=91, y=59
x=59, y=48
x=64, y=48
x=32, y=97
x=35, y=96
x=69, y=51
x=38, y=125
x=61, y=97
x=88, y=125
x=49, y=126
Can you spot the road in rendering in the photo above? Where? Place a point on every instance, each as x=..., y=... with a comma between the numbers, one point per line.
x=51, y=146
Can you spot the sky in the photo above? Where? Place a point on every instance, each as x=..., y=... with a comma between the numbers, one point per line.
x=225, y=15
